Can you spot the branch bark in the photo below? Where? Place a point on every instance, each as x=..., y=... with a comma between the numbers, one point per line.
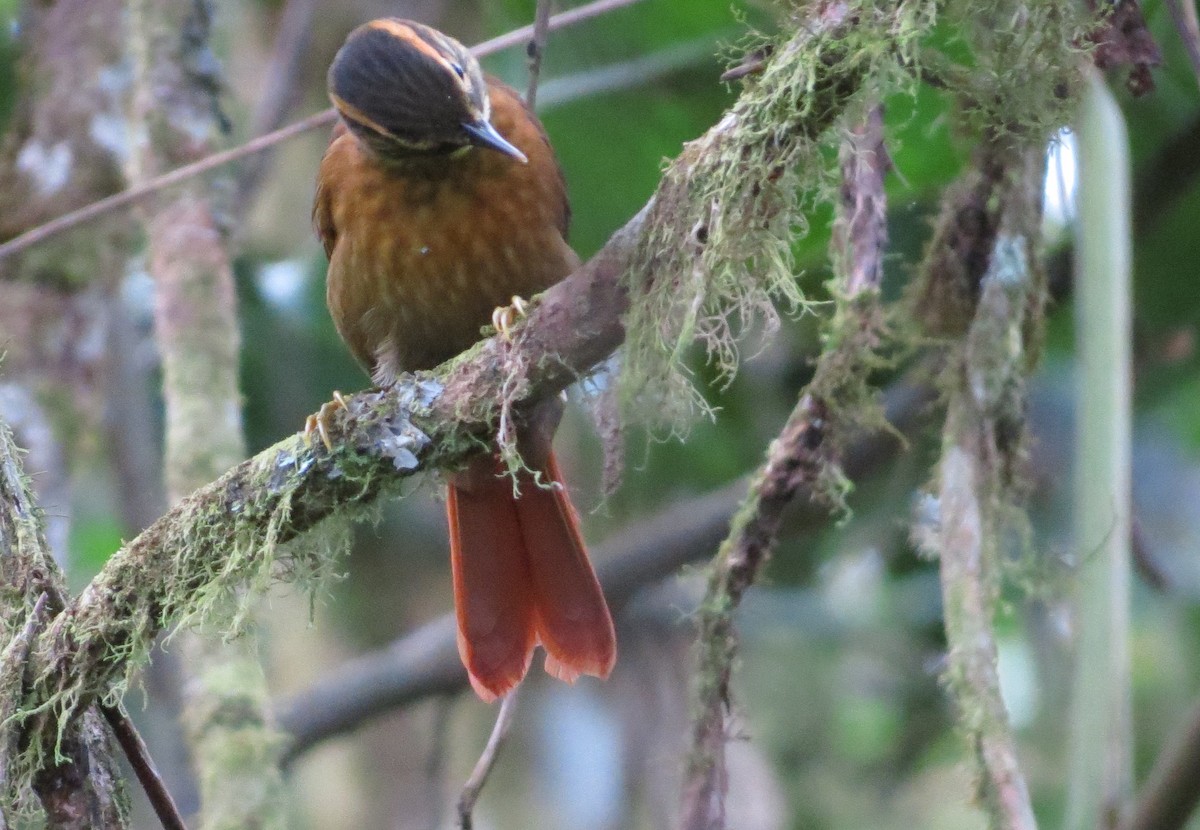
x=76, y=785
x=986, y=264
x=232, y=740
x=1172, y=791
x=487, y=761
x=736, y=566
x=966, y=547
x=203, y=552
x=985, y=287
x=425, y=662
x=805, y=453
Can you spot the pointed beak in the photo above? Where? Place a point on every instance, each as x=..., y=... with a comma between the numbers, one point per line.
x=483, y=134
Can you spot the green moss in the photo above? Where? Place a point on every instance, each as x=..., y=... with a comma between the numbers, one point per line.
x=1022, y=61
x=716, y=259
x=210, y=581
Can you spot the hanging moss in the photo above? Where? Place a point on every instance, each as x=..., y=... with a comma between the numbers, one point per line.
x=1019, y=77
x=717, y=259
x=202, y=566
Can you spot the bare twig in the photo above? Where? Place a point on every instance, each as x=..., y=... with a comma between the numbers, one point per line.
x=487, y=761
x=67, y=221
x=562, y=20
x=149, y=187
x=143, y=767
x=637, y=72
x=435, y=764
x=751, y=63
x=536, y=49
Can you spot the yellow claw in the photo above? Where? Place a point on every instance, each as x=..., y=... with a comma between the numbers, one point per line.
x=319, y=423
x=506, y=316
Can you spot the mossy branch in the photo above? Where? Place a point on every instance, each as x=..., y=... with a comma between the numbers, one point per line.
x=804, y=455
x=197, y=559
x=754, y=528
x=232, y=742
x=973, y=508
x=718, y=255
x=80, y=788
x=196, y=562
x=981, y=288
x=424, y=662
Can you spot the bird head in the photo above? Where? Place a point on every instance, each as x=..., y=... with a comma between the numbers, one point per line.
x=407, y=90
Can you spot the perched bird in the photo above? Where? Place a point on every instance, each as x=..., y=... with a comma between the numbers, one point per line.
x=438, y=200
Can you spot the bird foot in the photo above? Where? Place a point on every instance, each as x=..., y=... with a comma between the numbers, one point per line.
x=506, y=316
x=319, y=423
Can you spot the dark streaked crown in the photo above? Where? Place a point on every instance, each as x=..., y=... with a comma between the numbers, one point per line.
x=404, y=89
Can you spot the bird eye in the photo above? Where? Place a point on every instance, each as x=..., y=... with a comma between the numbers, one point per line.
x=458, y=70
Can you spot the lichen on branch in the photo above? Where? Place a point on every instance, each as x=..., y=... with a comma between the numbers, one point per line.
x=717, y=260
x=78, y=787
x=973, y=516
x=225, y=542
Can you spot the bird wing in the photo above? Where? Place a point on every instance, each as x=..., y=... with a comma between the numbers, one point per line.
x=322, y=214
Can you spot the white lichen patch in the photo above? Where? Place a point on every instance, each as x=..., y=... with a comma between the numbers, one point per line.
x=48, y=167
x=110, y=128
x=111, y=132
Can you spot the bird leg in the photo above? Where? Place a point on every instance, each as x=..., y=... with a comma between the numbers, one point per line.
x=506, y=316
x=319, y=423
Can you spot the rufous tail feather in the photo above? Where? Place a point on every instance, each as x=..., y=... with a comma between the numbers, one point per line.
x=522, y=576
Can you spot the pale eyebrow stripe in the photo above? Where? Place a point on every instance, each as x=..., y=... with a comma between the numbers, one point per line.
x=405, y=32
x=358, y=115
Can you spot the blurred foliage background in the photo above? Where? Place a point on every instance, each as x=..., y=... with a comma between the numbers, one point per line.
x=844, y=722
